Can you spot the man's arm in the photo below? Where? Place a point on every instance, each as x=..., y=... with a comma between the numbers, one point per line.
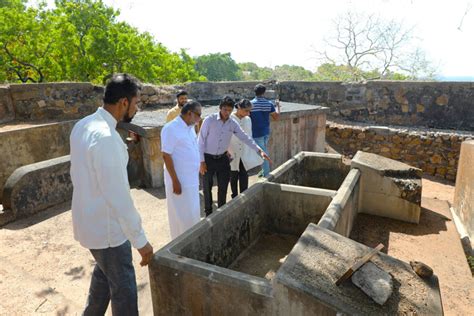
x=170, y=167
x=113, y=184
x=247, y=140
x=275, y=113
x=202, y=144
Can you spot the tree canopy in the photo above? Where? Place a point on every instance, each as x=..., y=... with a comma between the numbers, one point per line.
x=218, y=67
x=81, y=40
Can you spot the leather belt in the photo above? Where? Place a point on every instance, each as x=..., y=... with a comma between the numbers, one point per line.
x=215, y=157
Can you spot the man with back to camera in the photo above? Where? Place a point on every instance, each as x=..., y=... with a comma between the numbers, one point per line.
x=214, y=139
x=181, y=156
x=104, y=217
x=260, y=115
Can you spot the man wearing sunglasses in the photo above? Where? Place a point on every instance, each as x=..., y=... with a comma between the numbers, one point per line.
x=181, y=156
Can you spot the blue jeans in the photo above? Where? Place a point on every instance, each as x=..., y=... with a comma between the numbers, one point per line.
x=263, y=142
x=113, y=280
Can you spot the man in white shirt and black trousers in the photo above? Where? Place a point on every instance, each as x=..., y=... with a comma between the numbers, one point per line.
x=104, y=217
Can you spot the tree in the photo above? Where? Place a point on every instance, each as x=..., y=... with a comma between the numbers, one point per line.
x=218, y=67
x=81, y=40
x=291, y=72
x=366, y=43
x=22, y=27
x=250, y=71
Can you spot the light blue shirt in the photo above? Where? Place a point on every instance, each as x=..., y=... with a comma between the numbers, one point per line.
x=215, y=135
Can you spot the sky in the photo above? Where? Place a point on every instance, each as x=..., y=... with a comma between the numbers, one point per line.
x=278, y=32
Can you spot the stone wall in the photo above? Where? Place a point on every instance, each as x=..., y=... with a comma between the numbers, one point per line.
x=54, y=101
x=7, y=112
x=444, y=105
x=25, y=146
x=435, y=152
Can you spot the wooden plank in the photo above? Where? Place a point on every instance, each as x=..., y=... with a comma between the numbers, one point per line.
x=359, y=264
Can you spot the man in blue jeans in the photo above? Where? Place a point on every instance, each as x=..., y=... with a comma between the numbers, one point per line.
x=261, y=111
x=104, y=218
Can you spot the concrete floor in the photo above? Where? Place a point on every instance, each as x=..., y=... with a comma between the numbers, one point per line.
x=43, y=270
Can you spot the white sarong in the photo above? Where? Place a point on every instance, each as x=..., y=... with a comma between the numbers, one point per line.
x=183, y=209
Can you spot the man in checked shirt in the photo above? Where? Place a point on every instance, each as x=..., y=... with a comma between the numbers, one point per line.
x=214, y=139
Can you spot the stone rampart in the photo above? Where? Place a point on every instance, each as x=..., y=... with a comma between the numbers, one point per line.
x=443, y=105
x=435, y=152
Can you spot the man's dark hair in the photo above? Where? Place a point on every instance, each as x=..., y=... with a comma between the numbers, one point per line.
x=120, y=86
x=259, y=89
x=226, y=101
x=190, y=106
x=243, y=104
x=180, y=93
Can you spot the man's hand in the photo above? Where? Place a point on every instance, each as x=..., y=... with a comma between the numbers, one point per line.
x=265, y=156
x=176, y=187
x=147, y=253
x=203, y=168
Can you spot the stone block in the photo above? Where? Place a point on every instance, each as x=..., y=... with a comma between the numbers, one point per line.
x=7, y=111
x=374, y=282
x=321, y=256
x=463, y=206
x=33, y=188
x=388, y=187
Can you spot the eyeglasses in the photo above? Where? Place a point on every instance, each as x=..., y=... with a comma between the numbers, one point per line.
x=197, y=113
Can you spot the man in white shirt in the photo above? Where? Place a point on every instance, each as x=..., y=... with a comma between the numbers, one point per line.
x=103, y=214
x=181, y=156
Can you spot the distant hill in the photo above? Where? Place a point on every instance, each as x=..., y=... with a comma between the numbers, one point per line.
x=456, y=78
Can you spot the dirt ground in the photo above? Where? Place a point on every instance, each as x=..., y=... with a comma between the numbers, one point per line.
x=265, y=256
x=434, y=241
x=43, y=270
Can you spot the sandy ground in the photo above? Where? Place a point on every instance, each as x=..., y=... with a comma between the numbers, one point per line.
x=434, y=241
x=43, y=270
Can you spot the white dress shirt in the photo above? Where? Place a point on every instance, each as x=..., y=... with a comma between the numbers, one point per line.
x=103, y=214
x=179, y=140
x=238, y=150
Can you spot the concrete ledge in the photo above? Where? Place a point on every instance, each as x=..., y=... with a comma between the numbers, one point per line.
x=310, y=169
x=321, y=256
x=33, y=188
x=388, y=187
x=464, y=192
x=342, y=211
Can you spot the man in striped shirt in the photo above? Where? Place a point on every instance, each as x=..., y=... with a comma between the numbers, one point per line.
x=261, y=111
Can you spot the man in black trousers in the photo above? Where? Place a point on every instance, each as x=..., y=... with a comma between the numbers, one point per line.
x=214, y=139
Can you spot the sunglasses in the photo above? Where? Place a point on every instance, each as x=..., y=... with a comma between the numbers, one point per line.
x=197, y=113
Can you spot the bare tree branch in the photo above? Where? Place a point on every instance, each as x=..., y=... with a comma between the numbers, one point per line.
x=370, y=44
x=468, y=8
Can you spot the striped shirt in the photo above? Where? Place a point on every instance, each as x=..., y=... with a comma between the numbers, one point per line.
x=260, y=116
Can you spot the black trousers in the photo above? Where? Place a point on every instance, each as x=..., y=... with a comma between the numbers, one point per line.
x=221, y=168
x=241, y=177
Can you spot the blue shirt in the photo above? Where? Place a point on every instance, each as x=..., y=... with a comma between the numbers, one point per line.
x=260, y=116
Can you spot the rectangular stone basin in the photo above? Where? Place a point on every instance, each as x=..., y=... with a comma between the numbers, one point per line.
x=309, y=169
x=220, y=258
